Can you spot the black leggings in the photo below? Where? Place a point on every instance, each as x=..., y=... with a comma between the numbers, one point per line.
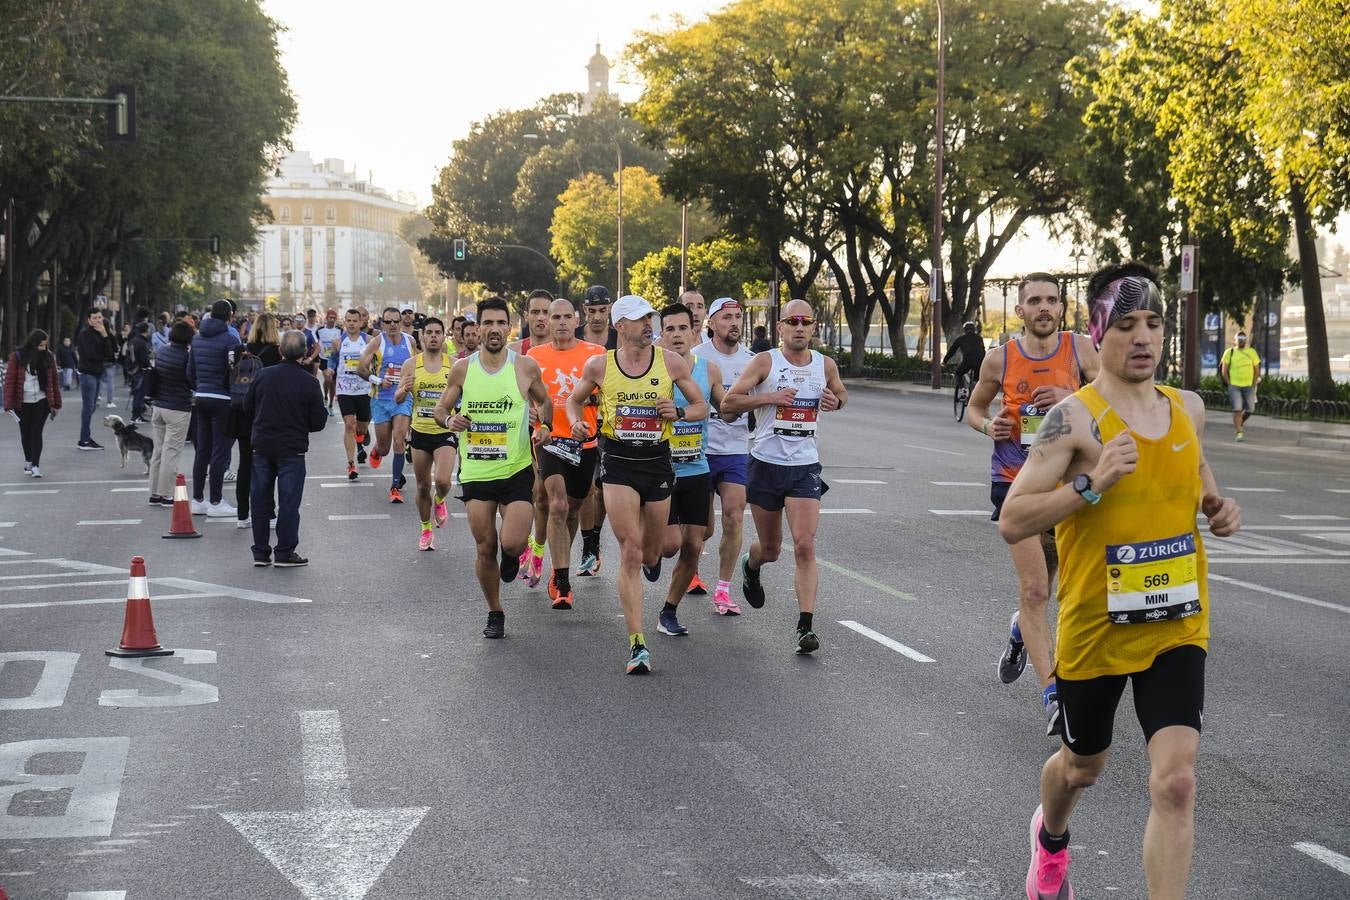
x=32, y=419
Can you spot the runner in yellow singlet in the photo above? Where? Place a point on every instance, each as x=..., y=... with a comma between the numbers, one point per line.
x=1118, y=470
x=637, y=406
x=494, y=390
x=432, y=443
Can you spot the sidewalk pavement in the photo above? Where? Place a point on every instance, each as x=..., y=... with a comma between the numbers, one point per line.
x=1316, y=435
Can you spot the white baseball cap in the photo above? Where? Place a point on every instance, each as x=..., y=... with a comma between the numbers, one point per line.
x=630, y=307
x=721, y=302
x=406, y=307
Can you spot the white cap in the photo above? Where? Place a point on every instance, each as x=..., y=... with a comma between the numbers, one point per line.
x=406, y=307
x=631, y=307
x=721, y=302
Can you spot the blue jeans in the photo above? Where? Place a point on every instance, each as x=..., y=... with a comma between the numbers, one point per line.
x=285, y=475
x=138, y=395
x=88, y=401
x=211, y=448
x=108, y=379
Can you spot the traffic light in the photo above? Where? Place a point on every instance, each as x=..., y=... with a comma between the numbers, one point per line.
x=122, y=114
x=460, y=250
x=380, y=277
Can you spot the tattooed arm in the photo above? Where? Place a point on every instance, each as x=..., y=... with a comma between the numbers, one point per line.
x=1042, y=495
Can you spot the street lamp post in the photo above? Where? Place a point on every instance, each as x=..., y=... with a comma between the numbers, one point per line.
x=935, y=278
x=618, y=151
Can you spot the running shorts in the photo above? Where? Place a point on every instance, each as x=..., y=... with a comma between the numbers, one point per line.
x=430, y=443
x=690, y=500
x=728, y=467
x=517, y=488
x=355, y=405
x=998, y=492
x=577, y=479
x=653, y=479
x=382, y=411
x=768, y=485
x=1169, y=692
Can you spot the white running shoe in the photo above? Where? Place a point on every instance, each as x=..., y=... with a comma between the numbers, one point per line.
x=221, y=510
x=36, y=472
x=199, y=507
x=244, y=523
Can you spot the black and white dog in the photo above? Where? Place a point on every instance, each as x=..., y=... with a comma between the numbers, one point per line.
x=129, y=441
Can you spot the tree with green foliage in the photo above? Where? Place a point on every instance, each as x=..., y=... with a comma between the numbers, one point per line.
x=719, y=267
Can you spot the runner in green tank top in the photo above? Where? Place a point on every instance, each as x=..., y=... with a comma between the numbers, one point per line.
x=494, y=390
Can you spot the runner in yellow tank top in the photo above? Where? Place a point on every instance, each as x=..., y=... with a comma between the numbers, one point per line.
x=495, y=385
x=637, y=406
x=1118, y=470
x=433, y=445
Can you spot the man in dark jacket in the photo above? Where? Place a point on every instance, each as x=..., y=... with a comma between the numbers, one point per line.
x=286, y=404
x=97, y=351
x=209, y=372
x=138, y=363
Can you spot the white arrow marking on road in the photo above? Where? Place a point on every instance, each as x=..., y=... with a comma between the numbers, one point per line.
x=220, y=590
x=1322, y=854
x=330, y=850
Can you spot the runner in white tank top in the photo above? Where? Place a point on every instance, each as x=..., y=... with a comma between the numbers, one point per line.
x=728, y=445
x=787, y=388
x=353, y=391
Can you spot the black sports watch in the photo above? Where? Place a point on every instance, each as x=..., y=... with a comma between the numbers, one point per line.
x=679, y=412
x=1082, y=486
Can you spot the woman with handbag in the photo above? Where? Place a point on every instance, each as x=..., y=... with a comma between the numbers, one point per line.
x=32, y=395
x=171, y=392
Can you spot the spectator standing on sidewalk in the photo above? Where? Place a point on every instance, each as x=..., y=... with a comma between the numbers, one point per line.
x=68, y=361
x=171, y=413
x=209, y=372
x=97, y=351
x=32, y=395
x=264, y=344
x=1241, y=370
x=286, y=403
x=138, y=363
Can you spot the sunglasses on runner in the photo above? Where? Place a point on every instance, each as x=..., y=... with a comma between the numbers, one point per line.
x=798, y=321
x=392, y=321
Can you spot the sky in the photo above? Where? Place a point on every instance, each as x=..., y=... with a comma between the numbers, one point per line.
x=387, y=86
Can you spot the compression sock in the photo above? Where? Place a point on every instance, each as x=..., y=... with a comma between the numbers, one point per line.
x=636, y=639
x=723, y=585
x=426, y=526
x=397, y=471
x=803, y=621
x=439, y=499
x=590, y=541
x=1050, y=842
x=536, y=547
x=562, y=580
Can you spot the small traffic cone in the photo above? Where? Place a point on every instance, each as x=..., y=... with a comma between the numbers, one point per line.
x=138, y=627
x=182, y=526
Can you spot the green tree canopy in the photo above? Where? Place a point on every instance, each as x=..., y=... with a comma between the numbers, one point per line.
x=719, y=267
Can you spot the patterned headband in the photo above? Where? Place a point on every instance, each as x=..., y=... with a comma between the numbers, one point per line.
x=1120, y=298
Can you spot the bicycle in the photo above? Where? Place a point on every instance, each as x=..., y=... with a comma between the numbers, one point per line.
x=961, y=395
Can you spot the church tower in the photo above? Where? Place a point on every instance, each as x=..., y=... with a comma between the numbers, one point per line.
x=597, y=79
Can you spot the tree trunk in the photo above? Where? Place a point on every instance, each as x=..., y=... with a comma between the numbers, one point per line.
x=1320, y=385
x=857, y=333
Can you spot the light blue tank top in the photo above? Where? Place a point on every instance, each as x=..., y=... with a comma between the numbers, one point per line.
x=689, y=440
x=391, y=360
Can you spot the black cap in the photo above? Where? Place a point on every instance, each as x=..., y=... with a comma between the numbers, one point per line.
x=596, y=295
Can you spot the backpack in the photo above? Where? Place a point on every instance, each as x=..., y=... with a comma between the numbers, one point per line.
x=246, y=368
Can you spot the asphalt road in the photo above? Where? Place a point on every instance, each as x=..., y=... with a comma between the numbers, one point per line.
x=343, y=731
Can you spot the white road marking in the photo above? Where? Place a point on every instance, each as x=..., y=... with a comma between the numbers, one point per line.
x=844, y=512
x=960, y=512
x=863, y=579
x=93, y=787
x=68, y=584
x=52, y=491
x=1280, y=561
x=855, y=481
x=1323, y=855
x=6, y=551
x=109, y=522
x=1316, y=518
x=934, y=450
x=358, y=518
x=97, y=895
x=128, y=490
x=329, y=849
x=1252, y=490
x=58, y=667
x=341, y=484
x=960, y=484
x=1338, y=490
x=191, y=692
x=94, y=601
x=205, y=589
x=8, y=524
x=885, y=641
x=1311, y=601
x=1246, y=528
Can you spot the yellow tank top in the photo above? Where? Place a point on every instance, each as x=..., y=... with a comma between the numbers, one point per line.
x=1132, y=580
x=427, y=388
x=628, y=402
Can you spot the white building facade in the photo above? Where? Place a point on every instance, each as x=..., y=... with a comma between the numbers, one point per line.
x=333, y=242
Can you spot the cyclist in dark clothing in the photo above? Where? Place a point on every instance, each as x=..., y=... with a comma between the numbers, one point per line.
x=971, y=347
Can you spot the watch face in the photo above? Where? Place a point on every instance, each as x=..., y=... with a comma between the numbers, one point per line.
x=1081, y=483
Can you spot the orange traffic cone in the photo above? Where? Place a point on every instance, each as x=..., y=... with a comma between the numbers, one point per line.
x=138, y=627
x=182, y=526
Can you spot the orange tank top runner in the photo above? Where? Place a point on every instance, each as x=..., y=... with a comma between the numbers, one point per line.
x=561, y=371
x=1022, y=374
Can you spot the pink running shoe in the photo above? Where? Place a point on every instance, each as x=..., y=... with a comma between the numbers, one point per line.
x=526, y=562
x=425, y=542
x=1048, y=875
x=442, y=516
x=536, y=570
x=723, y=605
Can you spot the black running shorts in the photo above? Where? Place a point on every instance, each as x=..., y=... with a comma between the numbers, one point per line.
x=355, y=405
x=430, y=443
x=1169, y=692
x=653, y=479
x=769, y=485
x=690, y=501
x=577, y=479
x=516, y=488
